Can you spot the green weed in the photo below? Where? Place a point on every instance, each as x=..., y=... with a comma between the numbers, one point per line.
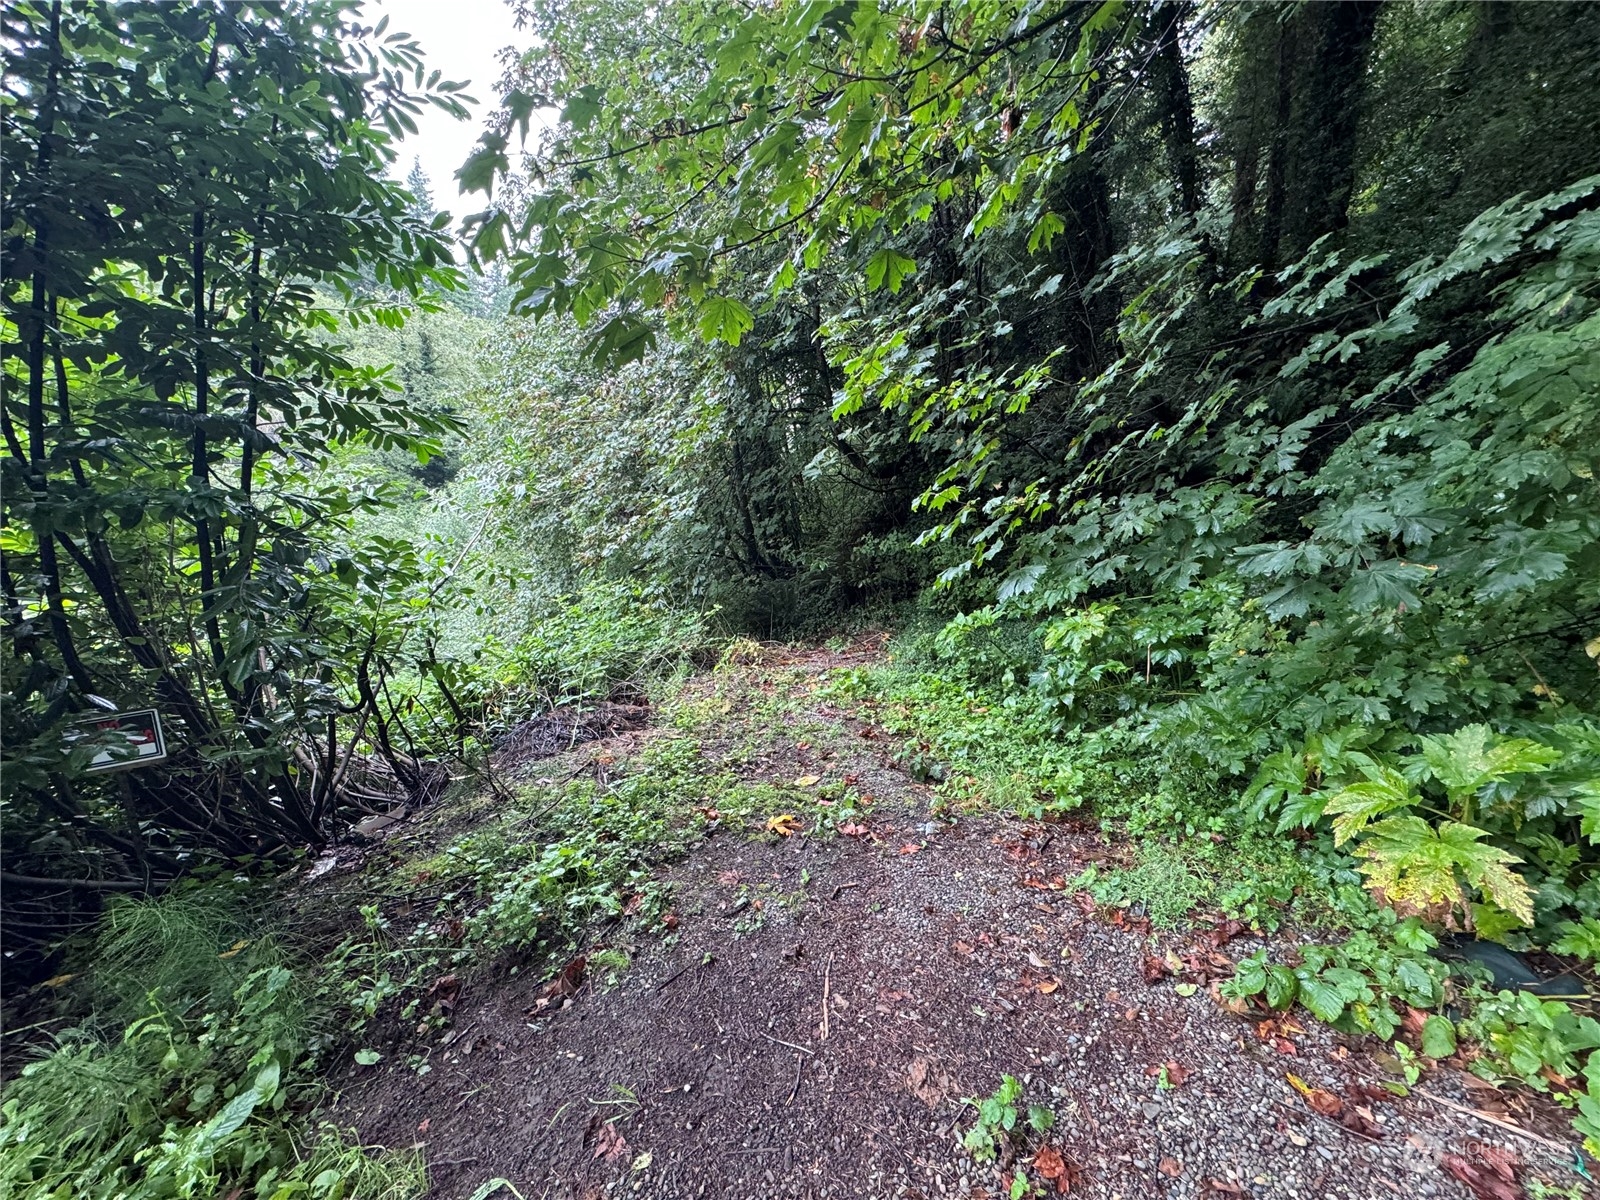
x=1001, y=1118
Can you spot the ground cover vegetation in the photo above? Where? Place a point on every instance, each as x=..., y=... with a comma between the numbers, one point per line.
x=1209, y=394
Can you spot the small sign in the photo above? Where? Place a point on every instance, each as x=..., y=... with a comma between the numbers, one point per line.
x=140, y=730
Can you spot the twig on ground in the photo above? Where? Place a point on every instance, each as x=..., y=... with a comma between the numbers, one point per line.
x=842, y=888
x=1483, y=1116
x=795, y=1090
x=674, y=977
x=827, y=972
x=791, y=1045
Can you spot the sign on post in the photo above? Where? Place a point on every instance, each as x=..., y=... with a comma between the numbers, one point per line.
x=130, y=739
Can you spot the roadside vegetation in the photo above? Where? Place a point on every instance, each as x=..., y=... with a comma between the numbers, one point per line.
x=1205, y=396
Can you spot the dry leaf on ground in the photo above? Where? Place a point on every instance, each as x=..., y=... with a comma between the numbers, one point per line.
x=928, y=1082
x=1490, y=1174
x=1321, y=1102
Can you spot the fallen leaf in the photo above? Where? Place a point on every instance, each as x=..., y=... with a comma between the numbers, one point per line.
x=1051, y=1166
x=1170, y=1167
x=564, y=985
x=1186, y=989
x=854, y=829
x=963, y=948
x=425, y=1124
x=1154, y=969
x=784, y=824
x=235, y=948
x=1224, y=932
x=642, y=1162
x=1176, y=1073
x=910, y=848
x=808, y=781
x=927, y=1082
x=728, y=878
x=56, y=981
x=1321, y=1102
x=1223, y=1187
x=1046, y=986
x=1489, y=1175
x=1237, y=1005
x=609, y=1143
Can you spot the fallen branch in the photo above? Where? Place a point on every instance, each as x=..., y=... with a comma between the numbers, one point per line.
x=1483, y=1116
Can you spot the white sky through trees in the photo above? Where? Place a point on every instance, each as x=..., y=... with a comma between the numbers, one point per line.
x=463, y=39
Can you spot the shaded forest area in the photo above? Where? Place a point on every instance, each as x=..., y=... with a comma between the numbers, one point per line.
x=1207, y=394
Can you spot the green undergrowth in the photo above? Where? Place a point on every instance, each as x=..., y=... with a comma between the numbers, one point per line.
x=200, y=1063
x=194, y=1074
x=1188, y=842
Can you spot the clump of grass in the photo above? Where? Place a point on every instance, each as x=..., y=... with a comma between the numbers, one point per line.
x=189, y=1079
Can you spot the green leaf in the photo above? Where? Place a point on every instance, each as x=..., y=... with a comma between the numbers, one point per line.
x=490, y=1186
x=1579, y=938
x=889, y=267
x=1250, y=976
x=1585, y=805
x=1415, y=979
x=724, y=319
x=367, y=1057
x=1438, y=1037
x=1321, y=998
x=1044, y=231
x=1281, y=986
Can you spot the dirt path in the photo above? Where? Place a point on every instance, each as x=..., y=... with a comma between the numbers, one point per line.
x=824, y=1005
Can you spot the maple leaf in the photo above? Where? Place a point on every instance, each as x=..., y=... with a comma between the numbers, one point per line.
x=1473, y=756
x=1358, y=805
x=784, y=824
x=910, y=848
x=854, y=829
x=1412, y=862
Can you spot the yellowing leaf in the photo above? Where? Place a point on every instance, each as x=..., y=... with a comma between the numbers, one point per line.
x=1360, y=803
x=235, y=948
x=783, y=824
x=56, y=981
x=808, y=781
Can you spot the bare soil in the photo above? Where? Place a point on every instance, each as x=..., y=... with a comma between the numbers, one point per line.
x=813, y=1023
